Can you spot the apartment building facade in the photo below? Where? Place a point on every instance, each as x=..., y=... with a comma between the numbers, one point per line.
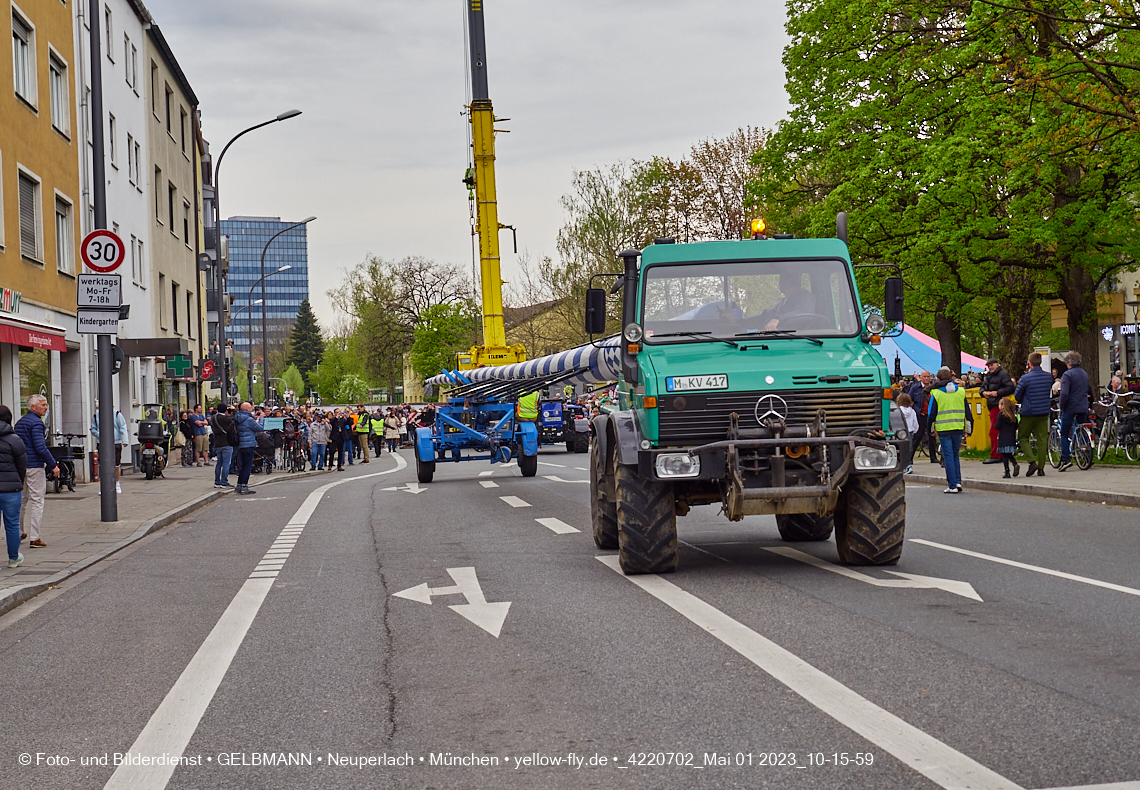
x=40, y=351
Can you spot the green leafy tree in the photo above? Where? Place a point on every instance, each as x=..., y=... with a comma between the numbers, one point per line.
x=293, y=381
x=352, y=389
x=443, y=331
x=307, y=344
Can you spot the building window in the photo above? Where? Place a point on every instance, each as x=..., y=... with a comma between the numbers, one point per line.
x=186, y=223
x=110, y=33
x=30, y=222
x=158, y=195
x=189, y=314
x=142, y=265
x=133, y=79
x=183, y=129
x=2, y=201
x=138, y=166
x=134, y=260
x=161, y=300
x=64, y=236
x=131, y=158
x=57, y=84
x=154, y=88
x=23, y=58
x=171, y=194
x=174, y=306
x=169, y=128
x=113, y=134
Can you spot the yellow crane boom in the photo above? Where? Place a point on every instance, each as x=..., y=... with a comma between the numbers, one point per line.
x=481, y=178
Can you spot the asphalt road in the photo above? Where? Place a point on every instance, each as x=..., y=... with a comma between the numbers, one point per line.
x=262, y=644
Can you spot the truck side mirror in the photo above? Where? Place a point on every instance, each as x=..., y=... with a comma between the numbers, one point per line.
x=596, y=311
x=893, y=309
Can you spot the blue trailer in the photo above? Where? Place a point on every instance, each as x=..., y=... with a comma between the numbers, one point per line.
x=478, y=423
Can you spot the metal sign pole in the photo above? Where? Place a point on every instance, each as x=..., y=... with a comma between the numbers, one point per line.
x=108, y=503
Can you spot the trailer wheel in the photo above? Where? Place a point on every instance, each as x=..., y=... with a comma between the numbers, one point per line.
x=529, y=465
x=581, y=442
x=871, y=519
x=647, y=523
x=425, y=470
x=800, y=527
x=603, y=511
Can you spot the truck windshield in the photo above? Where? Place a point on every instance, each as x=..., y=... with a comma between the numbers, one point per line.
x=812, y=297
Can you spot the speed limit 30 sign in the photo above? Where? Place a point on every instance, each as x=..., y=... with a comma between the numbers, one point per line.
x=102, y=251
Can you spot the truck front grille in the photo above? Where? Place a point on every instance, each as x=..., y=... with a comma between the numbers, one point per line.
x=703, y=417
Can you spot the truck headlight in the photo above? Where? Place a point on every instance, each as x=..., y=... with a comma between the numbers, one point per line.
x=678, y=465
x=872, y=458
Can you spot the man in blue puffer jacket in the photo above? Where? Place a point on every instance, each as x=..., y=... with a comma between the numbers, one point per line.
x=1033, y=394
x=247, y=429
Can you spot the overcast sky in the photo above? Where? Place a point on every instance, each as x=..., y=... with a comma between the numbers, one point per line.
x=379, y=152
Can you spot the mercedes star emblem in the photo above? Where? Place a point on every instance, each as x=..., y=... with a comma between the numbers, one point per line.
x=773, y=405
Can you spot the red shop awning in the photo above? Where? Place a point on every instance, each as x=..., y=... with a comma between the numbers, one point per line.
x=19, y=332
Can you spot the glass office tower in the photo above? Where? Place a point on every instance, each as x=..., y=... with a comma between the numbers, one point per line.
x=284, y=292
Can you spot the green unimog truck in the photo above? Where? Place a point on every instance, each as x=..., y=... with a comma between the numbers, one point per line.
x=749, y=379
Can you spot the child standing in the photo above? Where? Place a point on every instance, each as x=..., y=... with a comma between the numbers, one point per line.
x=1007, y=436
x=906, y=406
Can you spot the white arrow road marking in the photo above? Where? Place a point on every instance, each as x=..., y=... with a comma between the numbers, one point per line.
x=927, y=755
x=908, y=580
x=488, y=484
x=1035, y=568
x=558, y=479
x=411, y=488
x=556, y=526
x=488, y=616
x=172, y=725
x=514, y=501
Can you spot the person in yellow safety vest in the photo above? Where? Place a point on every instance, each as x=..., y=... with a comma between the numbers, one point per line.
x=363, y=423
x=376, y=425
x=948, y=417
x=568, y=391
x=527, y=408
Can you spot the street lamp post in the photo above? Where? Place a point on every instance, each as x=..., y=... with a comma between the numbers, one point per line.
x=219, y=284
x=265, y=305
x=249, y=325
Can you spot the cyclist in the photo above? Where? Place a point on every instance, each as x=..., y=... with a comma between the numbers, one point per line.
x=1076, y=395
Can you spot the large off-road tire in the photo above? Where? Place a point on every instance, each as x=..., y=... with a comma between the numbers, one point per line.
x=425, y=470
x=647, y=523
x=870, y=519
x=800, y=527
x=603, y=511
x=528, y=465
x=581, y=442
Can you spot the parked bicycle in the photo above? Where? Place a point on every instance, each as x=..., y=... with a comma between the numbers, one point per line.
x=1082, y=445
x=65, y=455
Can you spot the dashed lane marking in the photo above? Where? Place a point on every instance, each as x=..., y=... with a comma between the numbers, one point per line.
x=545, y=463
x=924, y=753
x=558, y=479
x=514, y=501
x=488, y=484
x=488, y=473
x=172, y=725
x=556, y=526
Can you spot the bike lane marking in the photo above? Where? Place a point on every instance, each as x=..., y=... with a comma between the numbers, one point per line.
x=1026, y=567
x=173, y=724
x=938, y=762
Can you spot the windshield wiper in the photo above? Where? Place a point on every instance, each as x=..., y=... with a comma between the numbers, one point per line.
x=785, y=332
x=701, y=336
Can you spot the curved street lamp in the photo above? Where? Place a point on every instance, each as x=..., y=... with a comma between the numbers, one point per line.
x=264, y=306
x=249, y=362
x=249, y=324
x=218, y=284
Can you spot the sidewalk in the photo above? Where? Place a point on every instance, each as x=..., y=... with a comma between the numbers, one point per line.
x=76, y=538
x=1110, y=485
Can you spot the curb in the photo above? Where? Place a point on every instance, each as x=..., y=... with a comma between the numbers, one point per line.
x=14, y=596
x=1046, y=492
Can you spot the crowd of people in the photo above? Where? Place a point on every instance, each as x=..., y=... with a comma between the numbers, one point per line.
x=938, y=416
x=229, y=437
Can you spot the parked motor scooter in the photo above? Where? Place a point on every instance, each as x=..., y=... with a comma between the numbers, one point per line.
x=153, y=441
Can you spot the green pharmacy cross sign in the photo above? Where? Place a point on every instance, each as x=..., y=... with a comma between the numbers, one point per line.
x=178, y=366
